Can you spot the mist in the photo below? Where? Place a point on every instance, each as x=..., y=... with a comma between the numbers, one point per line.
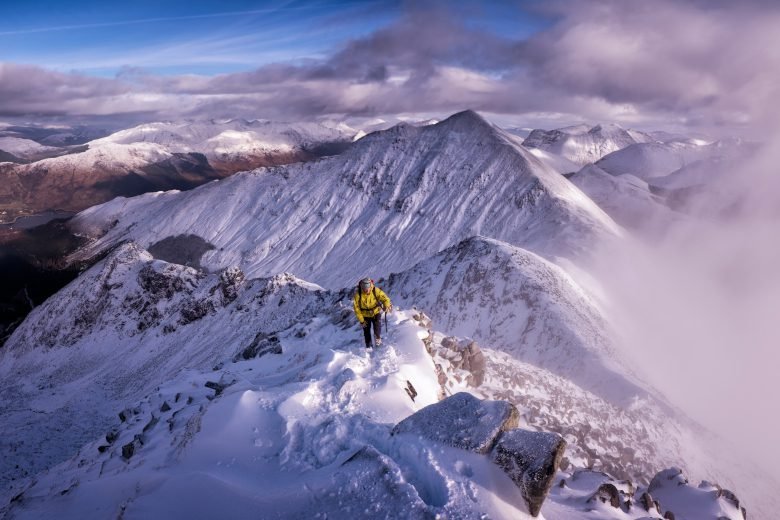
x=699, y=307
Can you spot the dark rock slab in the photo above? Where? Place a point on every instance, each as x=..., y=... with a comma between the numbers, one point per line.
x=531, y=460
x=462, y=421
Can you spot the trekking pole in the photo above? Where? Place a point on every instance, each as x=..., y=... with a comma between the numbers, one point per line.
x=386, y=329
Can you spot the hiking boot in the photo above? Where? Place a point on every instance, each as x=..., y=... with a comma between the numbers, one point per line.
x=378, y=342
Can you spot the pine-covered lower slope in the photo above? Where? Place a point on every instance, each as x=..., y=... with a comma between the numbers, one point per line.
x=395, y=198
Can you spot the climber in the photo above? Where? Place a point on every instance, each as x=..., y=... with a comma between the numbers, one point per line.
x=369, y=303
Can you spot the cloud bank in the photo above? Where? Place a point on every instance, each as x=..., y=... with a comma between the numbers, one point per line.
x=693, y=63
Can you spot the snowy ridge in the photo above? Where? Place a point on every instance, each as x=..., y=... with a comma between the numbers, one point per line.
x=23, y=148
x=310, y=417
x=628, y=199
x=242, y=390
x=156, y=156
x=517, y=302
x=223, y=141
x=395, y=198
x=582, y=144
x=229, y=415
x=649, y=160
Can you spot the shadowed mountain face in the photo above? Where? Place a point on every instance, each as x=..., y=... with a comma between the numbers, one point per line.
x=33, y=269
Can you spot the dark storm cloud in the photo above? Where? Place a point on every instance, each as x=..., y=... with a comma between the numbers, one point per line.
x=700, y=63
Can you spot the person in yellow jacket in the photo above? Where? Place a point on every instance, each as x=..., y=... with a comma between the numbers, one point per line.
x=369, y=303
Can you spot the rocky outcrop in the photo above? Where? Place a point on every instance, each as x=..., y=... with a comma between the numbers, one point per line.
x=669, y=495
x=260, y=346
x=465, y=355
x=462, y=421
x=457, y=361
x=530, y=459
x=608, y=494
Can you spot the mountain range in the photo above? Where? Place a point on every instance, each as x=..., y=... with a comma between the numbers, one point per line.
x=149, y=157
x=207, y=362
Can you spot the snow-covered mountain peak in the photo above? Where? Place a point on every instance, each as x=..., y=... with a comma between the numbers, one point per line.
x=582, y=144
x=218, y=138
x=468, y=120
x=426, y=188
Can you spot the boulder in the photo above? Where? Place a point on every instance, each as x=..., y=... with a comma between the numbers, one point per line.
x=607, y=493
x=666, y=477
x=648, y=503
x=262, y=344
x=531, y=460
x=462, y=421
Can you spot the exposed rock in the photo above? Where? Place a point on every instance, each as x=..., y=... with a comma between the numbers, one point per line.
x=165, y=407
x=151, y=424
x=262, y=344
x=410, y=390
x=607, y=493
x=163, y=283
x=129, y=449
x=194, y=310
x=230, y=281
x=531, y=460
x=467, y=356
x=730, y=496
x=462, y=421
x=423, y=320
x=125, y=414
x=669, y=515
x=648, y=503
x=218, y=387
x=112, y=436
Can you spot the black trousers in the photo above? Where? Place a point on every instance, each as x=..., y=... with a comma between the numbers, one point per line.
x=376, y=324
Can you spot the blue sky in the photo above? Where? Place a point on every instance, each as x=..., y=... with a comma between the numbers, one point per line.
x=702, y=64
x=197, y=37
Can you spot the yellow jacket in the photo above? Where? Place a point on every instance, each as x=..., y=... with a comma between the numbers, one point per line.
x=368, y=305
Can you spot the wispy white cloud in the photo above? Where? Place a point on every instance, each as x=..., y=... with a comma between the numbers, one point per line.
x=287, y=6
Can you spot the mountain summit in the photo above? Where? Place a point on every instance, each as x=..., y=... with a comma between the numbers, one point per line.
x=394, y=198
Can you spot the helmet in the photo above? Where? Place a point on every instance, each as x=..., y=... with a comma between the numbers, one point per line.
x=365, y=284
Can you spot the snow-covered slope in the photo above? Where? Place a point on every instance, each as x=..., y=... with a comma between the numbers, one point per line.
x=649, y=160
x=582, y=144
x=556, y=162
x=515, y=301
x=226, y=143
x=189, y=394
x=395, y=198
x=137, y=329
x=153, y=157
x=626, y=198
x=24, y=148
